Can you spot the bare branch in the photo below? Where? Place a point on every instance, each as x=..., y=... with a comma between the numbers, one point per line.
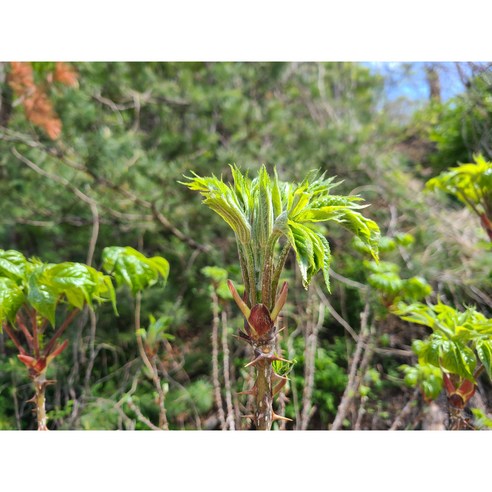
x=348, y=394
x=82, y=196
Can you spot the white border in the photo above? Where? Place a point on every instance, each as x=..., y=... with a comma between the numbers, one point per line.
x=201, y=460
x=253, y=30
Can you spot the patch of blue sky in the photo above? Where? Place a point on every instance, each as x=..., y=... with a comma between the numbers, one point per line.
x=409, y=80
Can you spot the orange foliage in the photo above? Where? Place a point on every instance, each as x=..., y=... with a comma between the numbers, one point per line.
x=37, y=106
x=40, y=112
x=65, y=74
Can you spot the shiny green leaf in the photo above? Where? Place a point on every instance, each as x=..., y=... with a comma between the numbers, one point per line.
x=484, y=351
x=11, y=299
x=132, y=268
x=12, y=265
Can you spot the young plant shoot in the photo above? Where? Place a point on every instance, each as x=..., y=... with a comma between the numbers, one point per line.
x=33, y=298
x=269, y=218
x=138, y=272
x=471, y=184
x=460, y=346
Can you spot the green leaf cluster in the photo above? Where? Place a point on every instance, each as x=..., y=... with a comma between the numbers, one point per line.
x=470, y=183
x=133, y=269
x=44, y=286
x=459, y=340
x=262, y=210
x=425, y=376
x=219, y=276
x=156, y=331
x=385, y=278
x=386, y=243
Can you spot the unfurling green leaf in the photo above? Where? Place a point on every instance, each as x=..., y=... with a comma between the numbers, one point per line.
x=132, y=268
x=262, y=210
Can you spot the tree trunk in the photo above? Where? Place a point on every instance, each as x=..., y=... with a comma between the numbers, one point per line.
x=434, y=83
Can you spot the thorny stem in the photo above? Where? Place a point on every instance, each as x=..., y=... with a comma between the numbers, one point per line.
x=261, y=334
x=263, y=415
x=40, y=384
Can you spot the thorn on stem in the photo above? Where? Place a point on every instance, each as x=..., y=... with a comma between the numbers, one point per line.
x=279, y=417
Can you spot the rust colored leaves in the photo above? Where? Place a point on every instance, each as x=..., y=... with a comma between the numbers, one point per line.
x=66, y=75
x=38, y=108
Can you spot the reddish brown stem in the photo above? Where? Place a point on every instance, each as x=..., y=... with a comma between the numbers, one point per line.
x=35, y=337
x=11, y=335
x=25, y=330
x=60, y=331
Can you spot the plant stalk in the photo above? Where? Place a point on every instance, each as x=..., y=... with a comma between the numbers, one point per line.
x=263, y=416
x=250, y=265
x=151, y=366
x=279, y=267
x=40, y=384
x=267, y=294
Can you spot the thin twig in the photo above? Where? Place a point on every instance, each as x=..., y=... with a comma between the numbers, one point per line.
x=311, y=341
x=227, y=380
x=335, y=314
x=215, y=358
x=405, y=410
x=291, y=352
x=154, y=374
x=67, y=184
x=347, y=281
x=350, y=388
x=128, y=400
x=92, y=351
x=361, y=373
